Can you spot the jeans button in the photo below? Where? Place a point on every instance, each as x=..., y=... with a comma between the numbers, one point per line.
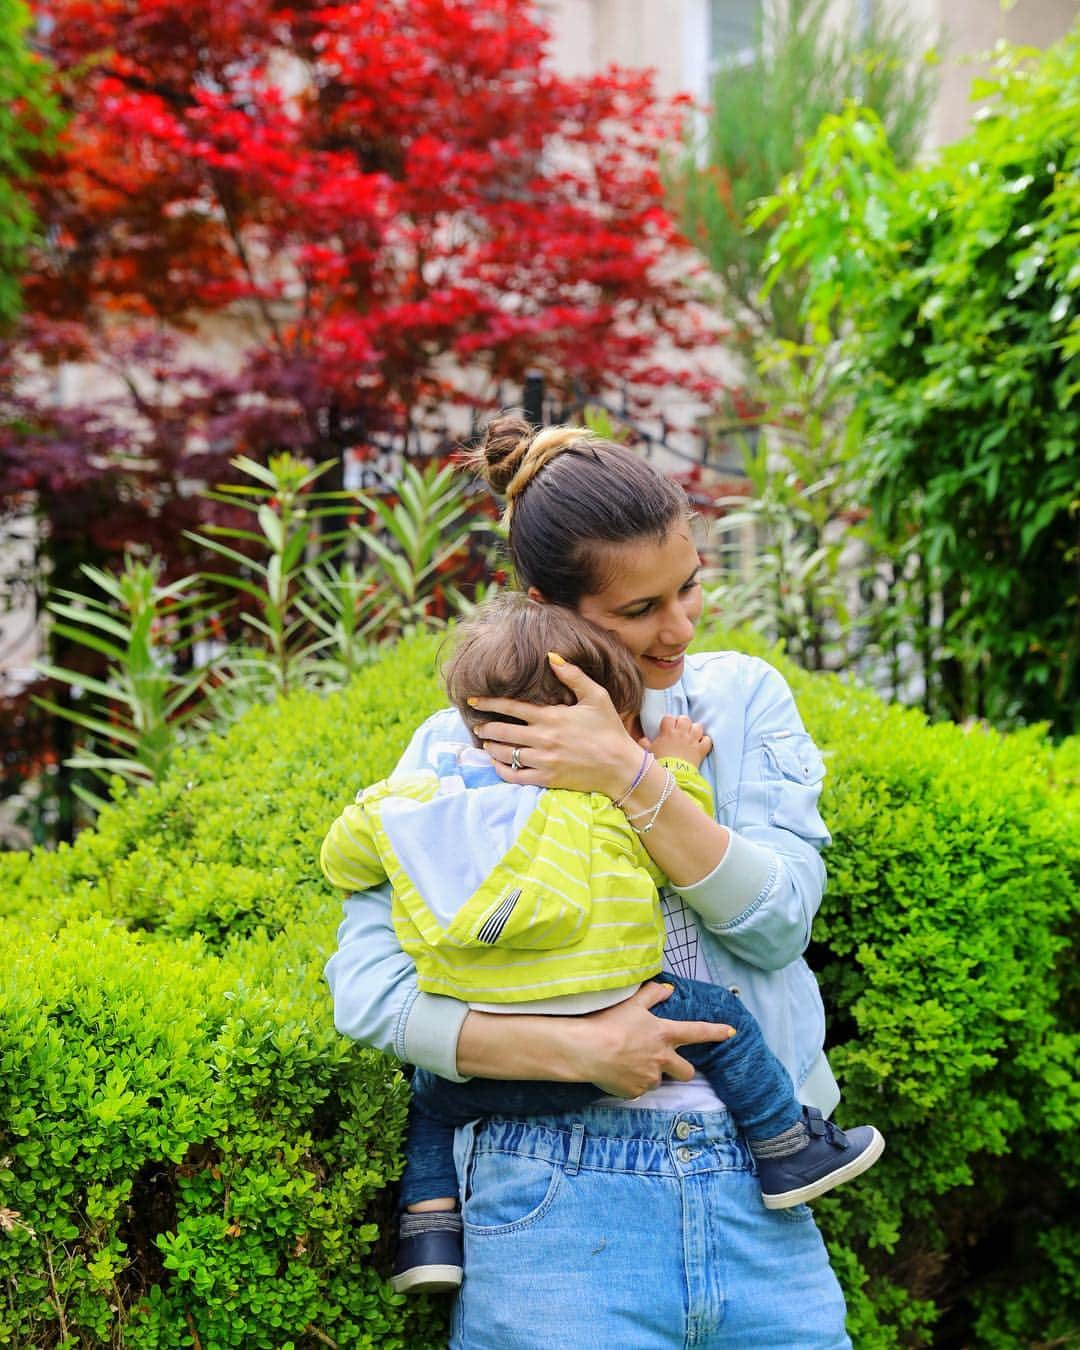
x=684, y=1154
x=682, y=1130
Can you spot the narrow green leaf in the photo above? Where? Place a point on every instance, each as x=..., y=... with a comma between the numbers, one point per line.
x=101, y=621
x=80, y=681
x=225, y=552
x=85, y=639
x=89, y=723
x=271, y=525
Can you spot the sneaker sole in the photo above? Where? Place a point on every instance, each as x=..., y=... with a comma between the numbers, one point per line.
x=866, y=1159
x=427, y=1280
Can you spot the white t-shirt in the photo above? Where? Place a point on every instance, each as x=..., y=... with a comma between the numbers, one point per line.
x=682, y=956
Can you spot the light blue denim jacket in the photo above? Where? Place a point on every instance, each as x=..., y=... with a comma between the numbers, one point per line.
x=754, y=909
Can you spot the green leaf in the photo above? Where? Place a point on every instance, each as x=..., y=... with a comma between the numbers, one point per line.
x=108, y=730
x=255, y=470
x=93, y=618
x=85, y=639
x=78, y=680
x=224, y=551
x=271, y=526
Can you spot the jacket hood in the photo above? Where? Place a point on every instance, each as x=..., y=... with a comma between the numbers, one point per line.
x=448, y=846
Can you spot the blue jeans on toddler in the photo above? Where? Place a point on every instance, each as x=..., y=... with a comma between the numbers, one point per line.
x=742, y=1071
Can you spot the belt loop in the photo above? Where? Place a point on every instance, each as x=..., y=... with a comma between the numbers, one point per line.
x=464, y=1152
x=577, y=1143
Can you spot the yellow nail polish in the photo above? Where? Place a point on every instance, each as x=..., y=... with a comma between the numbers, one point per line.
x=555, y=659
x=472, y=702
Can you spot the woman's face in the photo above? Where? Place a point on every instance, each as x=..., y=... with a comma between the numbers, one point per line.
x=653, y=602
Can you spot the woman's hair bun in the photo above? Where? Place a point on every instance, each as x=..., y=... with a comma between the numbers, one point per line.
x=499, y=455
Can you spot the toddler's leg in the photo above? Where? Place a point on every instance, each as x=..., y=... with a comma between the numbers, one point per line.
x=429, y=1253
x=429, y=1149
x=429, y=1250
x=743, y=1071
x=799, y=1154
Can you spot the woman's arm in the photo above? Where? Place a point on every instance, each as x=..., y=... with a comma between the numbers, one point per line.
x=585, y=746
x=376, y=998
x=624, y=1050
x=761, y=898
x=684, y=843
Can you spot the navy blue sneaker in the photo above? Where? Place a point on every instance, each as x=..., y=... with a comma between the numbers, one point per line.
x=831, y=1157
x=428, y=1263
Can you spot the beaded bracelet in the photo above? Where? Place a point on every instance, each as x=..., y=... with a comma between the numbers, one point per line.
x=653, y=811
x=637, y=815
x=646, y=761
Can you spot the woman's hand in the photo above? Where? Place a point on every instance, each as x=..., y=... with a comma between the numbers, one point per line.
x=583, y=746
x=627, y=1050
x=624, y=1050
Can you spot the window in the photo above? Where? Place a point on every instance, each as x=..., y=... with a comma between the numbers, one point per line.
x=734, y=32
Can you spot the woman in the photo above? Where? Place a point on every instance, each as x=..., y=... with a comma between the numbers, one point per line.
x=636, y=1223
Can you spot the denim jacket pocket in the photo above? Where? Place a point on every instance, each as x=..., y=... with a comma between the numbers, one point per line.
x=794, y=770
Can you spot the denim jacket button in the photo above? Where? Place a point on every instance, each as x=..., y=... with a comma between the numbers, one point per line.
x=682, y=1130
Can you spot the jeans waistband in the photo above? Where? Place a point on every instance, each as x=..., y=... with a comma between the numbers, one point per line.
x=614, y=1139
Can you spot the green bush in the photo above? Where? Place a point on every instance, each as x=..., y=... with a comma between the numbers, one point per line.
x=942, y=952
x=957, y=287
x=187, y=1147
x=189, y=1154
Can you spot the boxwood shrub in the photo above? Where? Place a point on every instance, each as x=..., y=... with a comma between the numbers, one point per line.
x=190, y=1156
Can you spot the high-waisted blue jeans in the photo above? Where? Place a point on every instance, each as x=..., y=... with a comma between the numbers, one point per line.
x=623, y=1229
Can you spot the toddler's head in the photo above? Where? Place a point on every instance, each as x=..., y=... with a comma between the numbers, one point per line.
x=501, y=652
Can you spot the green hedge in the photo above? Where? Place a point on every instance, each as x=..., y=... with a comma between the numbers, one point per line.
x=189, y=1155
x=187, y=1147
x=943, y=952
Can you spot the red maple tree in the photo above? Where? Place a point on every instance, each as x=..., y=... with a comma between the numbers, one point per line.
x=385, y=206
x=395, y=203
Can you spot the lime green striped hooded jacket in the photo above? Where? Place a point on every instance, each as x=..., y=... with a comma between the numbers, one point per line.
x=505, y=894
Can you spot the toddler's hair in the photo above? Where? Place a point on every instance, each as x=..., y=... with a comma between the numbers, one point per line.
x=501, y=652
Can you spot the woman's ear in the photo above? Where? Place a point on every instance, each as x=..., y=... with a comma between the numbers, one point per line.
x=534, y=594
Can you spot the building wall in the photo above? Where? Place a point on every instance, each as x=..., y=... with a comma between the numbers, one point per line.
x=18, y=630
x=588, y=35
x=971, y=27
x=671, y=36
